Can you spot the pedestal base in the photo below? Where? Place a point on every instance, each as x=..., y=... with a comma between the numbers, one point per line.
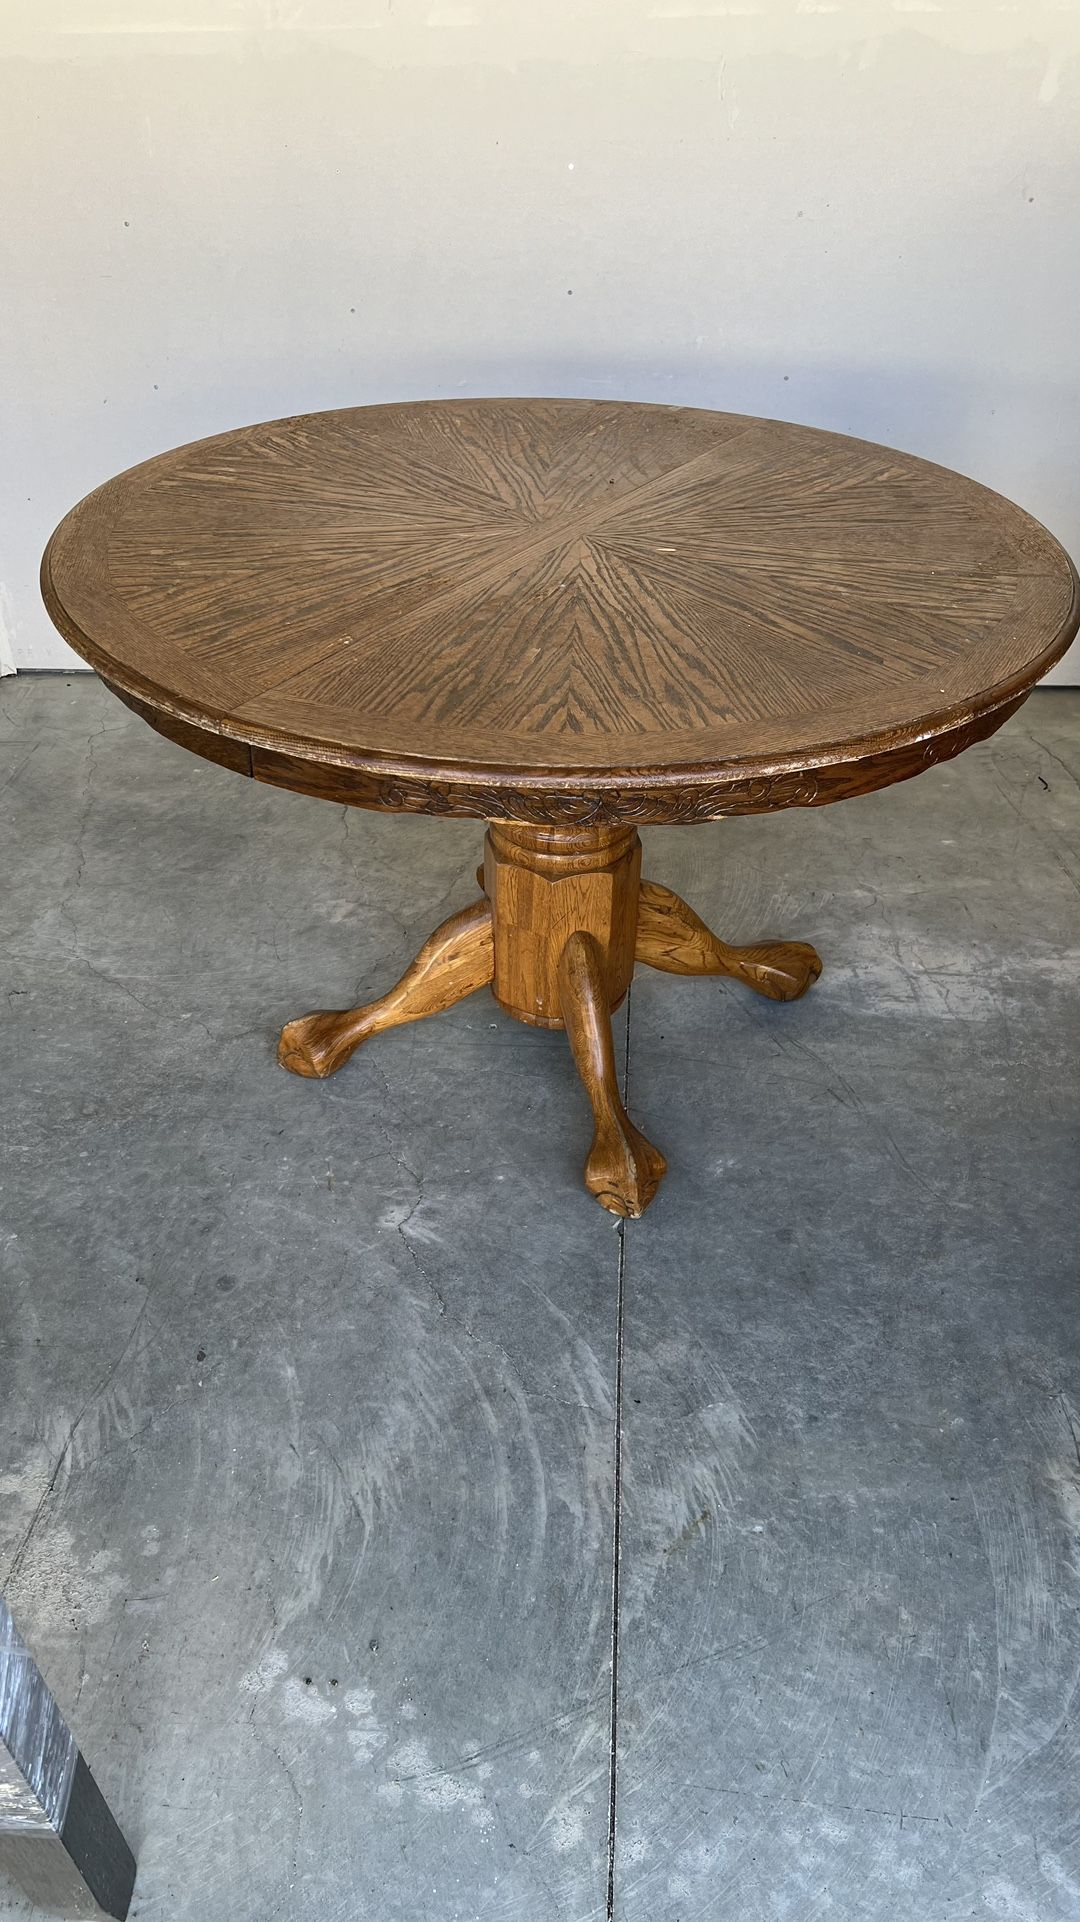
x=565, y=915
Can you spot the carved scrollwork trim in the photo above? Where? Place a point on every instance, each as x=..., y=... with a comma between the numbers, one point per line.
x=635, y=802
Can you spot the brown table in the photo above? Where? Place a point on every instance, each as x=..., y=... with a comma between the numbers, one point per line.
x=568, y=618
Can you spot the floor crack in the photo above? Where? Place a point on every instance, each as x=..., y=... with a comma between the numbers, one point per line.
x=616, y=1519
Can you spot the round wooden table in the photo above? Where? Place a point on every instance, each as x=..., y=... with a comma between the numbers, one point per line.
x=566, y=617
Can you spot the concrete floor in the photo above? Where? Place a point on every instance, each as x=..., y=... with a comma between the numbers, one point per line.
x=311, y=1392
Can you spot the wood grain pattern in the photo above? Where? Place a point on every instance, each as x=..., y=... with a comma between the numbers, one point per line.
x=564, y=918
x=561, y=800
x=453, y=962
x=569, y=618
x=622, y=1169
x=560, y=611
x=672, y=937
x=546, y=884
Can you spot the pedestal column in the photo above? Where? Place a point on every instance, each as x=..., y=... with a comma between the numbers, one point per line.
x=545, y=884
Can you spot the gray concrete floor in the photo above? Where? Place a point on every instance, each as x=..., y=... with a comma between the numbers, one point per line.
x=311, y=1393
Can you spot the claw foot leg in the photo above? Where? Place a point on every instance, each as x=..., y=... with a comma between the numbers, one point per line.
x=622, y=1170
x=453, y=961
x=671, y=936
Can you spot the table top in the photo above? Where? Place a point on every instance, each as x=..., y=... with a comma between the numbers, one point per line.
x=560, y=609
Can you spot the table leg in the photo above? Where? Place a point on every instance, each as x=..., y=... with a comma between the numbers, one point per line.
x=453, y=962
x=622, y=1169
x=564, y=918
x=671, y=936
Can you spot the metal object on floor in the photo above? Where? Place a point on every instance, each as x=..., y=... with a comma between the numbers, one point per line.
x=57, y=1835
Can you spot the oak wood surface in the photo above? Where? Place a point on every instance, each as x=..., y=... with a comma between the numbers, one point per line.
x=565, y=915
x=670, y=936
x=453, y=962
x=560, y=611
x=546, y=884
x=622, y=1169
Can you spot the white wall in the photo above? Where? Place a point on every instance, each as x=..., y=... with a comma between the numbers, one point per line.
x=861, y=215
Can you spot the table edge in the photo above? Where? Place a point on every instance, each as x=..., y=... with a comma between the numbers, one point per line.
x=671, y=792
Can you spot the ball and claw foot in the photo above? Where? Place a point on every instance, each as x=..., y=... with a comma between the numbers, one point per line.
x=672, y=937
x=622, y=1169
x=454, y=961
